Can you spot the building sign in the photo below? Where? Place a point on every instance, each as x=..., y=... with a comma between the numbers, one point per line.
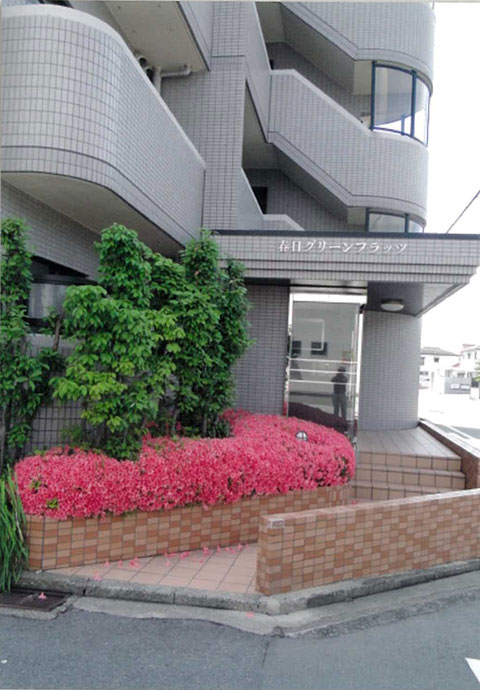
x=345, y=247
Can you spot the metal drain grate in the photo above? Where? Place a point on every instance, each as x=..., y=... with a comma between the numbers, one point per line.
x=31, y=599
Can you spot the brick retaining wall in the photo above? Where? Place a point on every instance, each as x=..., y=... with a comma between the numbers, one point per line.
x=318, y=547
x=469, y=456
x=78, y=541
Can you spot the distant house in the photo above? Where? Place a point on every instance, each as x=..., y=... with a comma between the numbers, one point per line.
x=441, y=371
x=470, y=362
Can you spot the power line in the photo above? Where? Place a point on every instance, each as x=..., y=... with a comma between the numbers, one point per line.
x=465, y=209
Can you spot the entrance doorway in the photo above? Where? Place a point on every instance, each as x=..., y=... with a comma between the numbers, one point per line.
x=323, y=358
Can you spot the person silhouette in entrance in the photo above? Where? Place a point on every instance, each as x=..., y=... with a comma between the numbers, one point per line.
x=339, y=396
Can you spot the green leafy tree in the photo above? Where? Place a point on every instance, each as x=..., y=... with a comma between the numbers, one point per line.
x=25, y=375
x=233, y=328
x=225, y=332
x=122, y=362
x=198, y=315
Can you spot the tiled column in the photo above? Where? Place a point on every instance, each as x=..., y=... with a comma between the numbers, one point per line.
x=260, y=373
x=210, y=107
x=389, y=373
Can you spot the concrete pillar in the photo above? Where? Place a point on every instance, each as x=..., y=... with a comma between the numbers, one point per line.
x=390, y=371
x=210, y=108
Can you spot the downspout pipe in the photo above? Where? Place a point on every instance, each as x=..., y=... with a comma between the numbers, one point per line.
x=158, y=75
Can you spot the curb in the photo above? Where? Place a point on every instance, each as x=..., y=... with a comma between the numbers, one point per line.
x=271, y=605
x=378, y=615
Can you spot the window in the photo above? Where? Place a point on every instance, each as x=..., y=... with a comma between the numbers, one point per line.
x=261, y=195
x=50, y=283
x=436, y=359
x=318, y=348
x=392, y=222
x=400, y=101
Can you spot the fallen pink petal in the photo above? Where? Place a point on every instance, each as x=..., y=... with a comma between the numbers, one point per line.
x=42, y=595
x=250, y=614
x=97, y=577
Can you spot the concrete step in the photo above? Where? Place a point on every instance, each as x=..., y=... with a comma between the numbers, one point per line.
x=383, y=490
x=411, y=476
x=451, y=463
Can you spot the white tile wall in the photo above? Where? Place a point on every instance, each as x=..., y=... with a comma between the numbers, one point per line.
x=53, y=236
x=76, y=103
x=260, y=374
x=360, y=167
x=401, y=32
x=389, y=375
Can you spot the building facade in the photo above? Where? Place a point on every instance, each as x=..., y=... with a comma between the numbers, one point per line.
x=297, y=132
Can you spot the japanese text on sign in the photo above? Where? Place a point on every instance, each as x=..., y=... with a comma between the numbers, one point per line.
x=348, y=247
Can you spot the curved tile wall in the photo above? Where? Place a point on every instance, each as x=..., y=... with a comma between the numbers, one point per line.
x=76, y=103
x=360, y=167
x=400, y=32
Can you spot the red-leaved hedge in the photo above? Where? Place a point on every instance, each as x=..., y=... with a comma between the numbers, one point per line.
x=263, y=456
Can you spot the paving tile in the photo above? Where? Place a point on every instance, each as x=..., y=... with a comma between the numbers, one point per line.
x=171, y=581
x=216, y=570
x=118, y=575
x=160, y=568
x=230, y=587
x=147, y=578
x=198, y=583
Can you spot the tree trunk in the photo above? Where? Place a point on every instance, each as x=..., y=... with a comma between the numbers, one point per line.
x=58, y=326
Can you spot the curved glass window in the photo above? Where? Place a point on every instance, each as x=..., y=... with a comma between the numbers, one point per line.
x=392, y=222
x=400, y=101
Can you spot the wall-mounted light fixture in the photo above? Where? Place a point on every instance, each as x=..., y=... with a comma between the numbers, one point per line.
x=392, y=304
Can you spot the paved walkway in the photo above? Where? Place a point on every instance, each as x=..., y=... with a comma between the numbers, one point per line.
x=229, y=569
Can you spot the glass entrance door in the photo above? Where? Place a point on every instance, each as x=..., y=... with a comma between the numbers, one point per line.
x=322, y=374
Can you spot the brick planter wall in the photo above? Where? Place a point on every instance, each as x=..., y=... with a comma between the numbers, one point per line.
x=318, y=547
x=470, y=457
x=78, y=541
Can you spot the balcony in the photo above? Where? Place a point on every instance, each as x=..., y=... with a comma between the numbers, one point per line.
x=85, y=132
x=332, y=155
x=343, y=39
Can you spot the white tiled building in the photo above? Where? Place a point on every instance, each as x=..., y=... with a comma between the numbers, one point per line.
x=296, y=131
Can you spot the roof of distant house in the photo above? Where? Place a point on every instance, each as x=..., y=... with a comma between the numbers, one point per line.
x=438, y=352
x=467, y=348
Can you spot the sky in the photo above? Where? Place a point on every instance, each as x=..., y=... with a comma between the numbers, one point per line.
x=454, y=166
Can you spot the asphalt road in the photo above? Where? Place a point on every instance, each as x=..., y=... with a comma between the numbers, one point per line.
x=91, y=650
x=470, y=431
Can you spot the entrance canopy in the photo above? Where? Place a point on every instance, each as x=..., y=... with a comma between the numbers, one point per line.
x=420, y=270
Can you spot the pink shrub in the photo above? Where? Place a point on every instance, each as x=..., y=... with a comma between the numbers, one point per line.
x=263, y=456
